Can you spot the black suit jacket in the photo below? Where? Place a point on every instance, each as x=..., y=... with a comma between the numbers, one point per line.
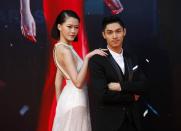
x=108, y=109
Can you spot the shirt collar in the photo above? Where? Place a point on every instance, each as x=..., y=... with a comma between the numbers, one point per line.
x=116, y=54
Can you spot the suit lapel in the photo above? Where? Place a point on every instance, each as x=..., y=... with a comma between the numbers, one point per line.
x=116, y=67
x=128, y=69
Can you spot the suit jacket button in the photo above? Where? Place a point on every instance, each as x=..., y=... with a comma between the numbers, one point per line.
x=124, y=108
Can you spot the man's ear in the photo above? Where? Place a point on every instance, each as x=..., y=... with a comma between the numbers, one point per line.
x=103, y=34
x=125, y=31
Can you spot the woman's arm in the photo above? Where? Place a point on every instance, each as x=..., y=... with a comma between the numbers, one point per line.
x=58, y=83
x=24, y=5
x=28, y=25
x=65, y=57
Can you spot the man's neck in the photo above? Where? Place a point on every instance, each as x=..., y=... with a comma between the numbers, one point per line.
x=116, y=50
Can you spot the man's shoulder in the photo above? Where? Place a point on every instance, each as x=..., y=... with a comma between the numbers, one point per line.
x=136, y=59
x=130, y=55
x=98, y=58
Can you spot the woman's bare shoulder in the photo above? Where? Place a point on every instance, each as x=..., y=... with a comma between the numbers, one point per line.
x=63, y=50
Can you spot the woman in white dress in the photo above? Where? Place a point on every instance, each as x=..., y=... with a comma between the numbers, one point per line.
x=72, y=112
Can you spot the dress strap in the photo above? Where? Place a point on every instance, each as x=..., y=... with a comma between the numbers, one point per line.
x=57, y=64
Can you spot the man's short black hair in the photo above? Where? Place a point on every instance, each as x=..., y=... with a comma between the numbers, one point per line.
x=112, y=19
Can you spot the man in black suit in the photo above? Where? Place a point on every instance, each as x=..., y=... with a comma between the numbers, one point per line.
x=116, y=83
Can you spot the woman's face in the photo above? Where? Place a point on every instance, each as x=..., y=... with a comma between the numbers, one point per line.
x=68, y=29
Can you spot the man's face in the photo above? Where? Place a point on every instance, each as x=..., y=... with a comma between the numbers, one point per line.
x=114, y=34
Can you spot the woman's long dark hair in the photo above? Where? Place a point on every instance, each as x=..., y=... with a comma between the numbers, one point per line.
x=61, y=18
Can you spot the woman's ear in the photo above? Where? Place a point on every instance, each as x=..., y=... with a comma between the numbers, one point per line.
x=59, y=27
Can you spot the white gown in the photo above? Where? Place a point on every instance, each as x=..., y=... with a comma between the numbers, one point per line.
x=72, y=111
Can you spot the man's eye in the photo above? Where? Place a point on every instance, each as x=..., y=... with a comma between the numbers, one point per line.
x=109, y=32
x=119, y=31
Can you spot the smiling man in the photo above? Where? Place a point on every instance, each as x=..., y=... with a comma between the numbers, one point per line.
x=116, y=83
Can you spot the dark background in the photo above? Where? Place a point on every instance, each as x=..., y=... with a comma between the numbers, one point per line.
x=153, y=33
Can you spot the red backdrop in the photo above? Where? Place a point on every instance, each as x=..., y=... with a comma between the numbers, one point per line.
x=51, y=9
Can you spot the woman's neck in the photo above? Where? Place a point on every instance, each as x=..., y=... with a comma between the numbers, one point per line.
x=65, y=42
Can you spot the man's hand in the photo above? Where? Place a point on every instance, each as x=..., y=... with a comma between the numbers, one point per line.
x=136, y=97
x=113, y=86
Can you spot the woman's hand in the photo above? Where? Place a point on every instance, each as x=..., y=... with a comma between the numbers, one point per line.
x=113, y=86
x=28, y=25
x=97, y=51
x=114, y=5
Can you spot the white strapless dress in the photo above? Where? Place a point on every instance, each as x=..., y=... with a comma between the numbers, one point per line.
x=72, y=111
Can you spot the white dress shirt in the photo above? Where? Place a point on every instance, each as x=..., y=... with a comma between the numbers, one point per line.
x=119, y=59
